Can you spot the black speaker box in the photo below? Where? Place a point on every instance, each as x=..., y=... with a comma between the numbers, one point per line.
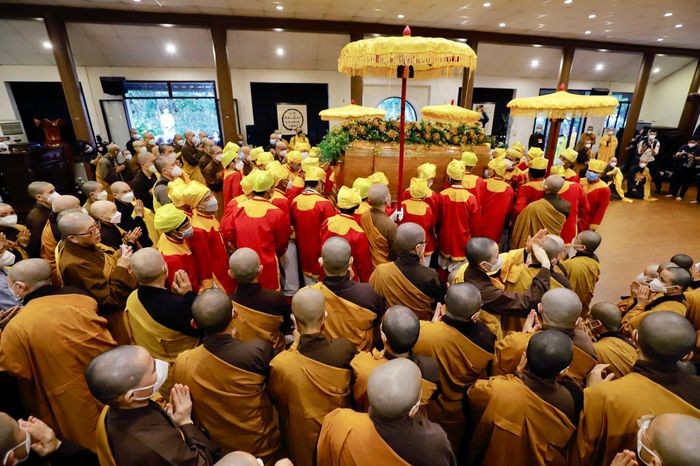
x=113, y=85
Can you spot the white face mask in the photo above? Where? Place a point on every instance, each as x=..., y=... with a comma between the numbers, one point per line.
x=212, y=205
x=101, y=196
x=283, y=153
x=657, y=286
x=652, y=137
x=493, y=268
x=151, y=142
x=161, y=375
x=7, y=258
x=643, y=279
x=559, y=162
x=588, y=146
x=26, y=443
x=571, y=251
x=52, y=197
x=273, y=141
x=590, y=131
x=176, y=171
x=538, y=130
x=179, y=142
x=116, y=218
x=610, y=133
x=691, y=144
x=9, y=219
x=188, y=232
x=613, y=163
x=642, y=165
x=127, y=198
x=219, y=157
x=239, y=165
x=153, y=169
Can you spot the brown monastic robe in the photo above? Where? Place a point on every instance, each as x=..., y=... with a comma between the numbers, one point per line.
x=692, y=299
x=618, y=353
x=251, y=324
x=519, y=279
x=583, y=273
x=388, y=281
x=537, y=215
x=347, y=320
x=635, y=316
x=378, y=244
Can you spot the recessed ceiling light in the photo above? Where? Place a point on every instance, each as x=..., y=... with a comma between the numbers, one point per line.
x=279, y=51
x=656, y=70
x=47, y=44
x=170, y=48
x=487, y=4
x=537, y=45
x=540, y=26
x=534, y=63
x=592, y=16
x=660, y=39
x=587, y=32
x=607, y=30
x=603, y=50
x=38, y=19
x=278, y=29
x=377, y=9
x=400, y=16
x=568, y=2
x=167, y=25
x=376, y=35
x=501, y=25
x=599, y=67
x=678, y=26
x=279, y=7
x=660, y=55
x=137, y=1
x=462, y=40
x=668, y=13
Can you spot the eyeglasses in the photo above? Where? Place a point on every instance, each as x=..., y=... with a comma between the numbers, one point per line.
x=645, y=454
x=94, y=228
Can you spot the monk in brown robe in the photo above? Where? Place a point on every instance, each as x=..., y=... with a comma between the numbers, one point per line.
x=353, y=308
x=656, y=385
x=664, y=439
x=549, y=213
x=227, y=380
x=541, y=412
x=582, y=268
x=407, y=280
x=394, y=433
x=399, y=332
x=560, y=309
x=379, y=228
x=463, y=347
x=310, y=379
x=43, y=194
x=611, y=346
x=50, y=236
x=258, y=312
x=48, y=345
x=133, y=429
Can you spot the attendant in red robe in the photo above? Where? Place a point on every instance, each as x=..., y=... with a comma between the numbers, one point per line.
x=309, y=210
x=497, y=201
x=295, y=181
x=226, y=223
x=427, y=172
x=573, y=193
x=174, y=243
x=514, y=176
x=532, y=190
x=568, y=158
x=344, y=225
x=598, y=195
x=232, y=174
x=473, y=182
x=416, y=209
x=290, y=282
x=459, y=218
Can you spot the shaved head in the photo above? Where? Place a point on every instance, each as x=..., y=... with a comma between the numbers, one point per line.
x=90, y=187
x=675, y=438
x=683, y=261
x=74, y=223
x=35, y=273
x=102, y=210
x=309, y=307
x=608, y=314
x=38, y=187
x=213, y=311
x=462, y=301
x=9, y=434
x=336, y=254
x=664, y=266
x=561, y=308
x=115, y=372
x=677, y=276
x=244, y=264
x=237, y=458
x=65, y=202
x=119, y=187
x=553, y=245
x=590, y=239
x=401, y=327
x=549, y=352
x=652, y=270
x=665, y=337
x=553, y=184
x=408, y=236
x=377, y=195
x=147, y=265
x=394, y=389
x=481, y=249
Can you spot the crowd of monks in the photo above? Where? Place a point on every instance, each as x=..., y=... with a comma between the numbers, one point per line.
x=249, y=311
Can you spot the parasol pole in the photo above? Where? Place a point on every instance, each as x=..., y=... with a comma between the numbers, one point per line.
x=402, y=137
x=553, y=137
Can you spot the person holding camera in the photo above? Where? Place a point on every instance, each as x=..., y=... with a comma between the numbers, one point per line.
x=685, y=163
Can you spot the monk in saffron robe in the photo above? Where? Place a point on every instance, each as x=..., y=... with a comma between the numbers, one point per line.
x=548, y=213
x=427, y=172
x=362, y=185
x=380, y=229
x=598, y=195
x=574, y=195
x=582, y=268
x=496, y=201
x=418, y=209
x=174, y=244
x=533, y=190
x=48, y=345
x=393, y=434
x=310, y=379
x=344, y=224
x=567, y=158
x=227, y=381
x=463, y=348
x=309, y=210
x=611, y=346
x=527, y=418
x=474, y=183
x=50, y=236
x=656, y=386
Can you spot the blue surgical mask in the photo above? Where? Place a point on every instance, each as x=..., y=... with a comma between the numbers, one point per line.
x=187, y=233
x=211, y=206
x=592, y=176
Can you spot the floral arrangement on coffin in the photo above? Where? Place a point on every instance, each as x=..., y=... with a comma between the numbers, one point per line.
x=422, y=132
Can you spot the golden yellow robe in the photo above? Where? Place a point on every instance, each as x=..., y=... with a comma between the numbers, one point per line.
x=378, y=244
x=519, y=279
x=540, y=214
x=304, y=391
x=388, y=281
x=231, y=403
x=349, y=438
x=606, y=148
x=618, y=353
x=608, y=423
x=102, y=447
x=48, y=251
x=635, y=316
x=251, y=324
x=346, y=319
x=583, y=273
x=516, y=427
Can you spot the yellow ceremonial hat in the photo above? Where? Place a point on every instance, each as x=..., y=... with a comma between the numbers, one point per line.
x=314, y=174
x=302, y=146
x=539, y=163
x=247, y=184
x=519, y=147
x=426, y=171
x=455, y=170
x=499, y=152
x=264, y=158
x=469, y=159
x=499, y=166
x=418, y=189
x=535, y=152
x=348, y=198
x=187, y=194
x=557, y=170
x=569, y=154
x=262, y=181
x=294, y=156
x=597, y=166
x=279, y=171
x=168, y=218
x=309, y=162
x=232, y=146
x=362, y=185
x=378, y=178
x=253, y=154
x=228, y=156
x=514, y=154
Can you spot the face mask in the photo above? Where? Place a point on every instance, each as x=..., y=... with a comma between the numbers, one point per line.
x=592, y=176
x=151, y=142
x=135, y=137
x=161, y=375
x=652, y=137
x=610, y=133
x=613, y=163
x=127, y=197
x=590, y=131
x=187, y=233
x=643, y=279
x=211, y=206
x=219, y=157
x=239, y=165
x=26, y=443
x=559, y=162
x=283, y=153
x=116, y=218
x=642, y=165
x=539, y=130
x=493, y=268
x=176, y=171
x=142, y=150
x=88, y=149
x=571, y=251
x=9, y=220
x=273, y=141
x=101, y=196
x=509, y=164
x=120, y=159
x=691, y=144
x=178, y=142
x=52, y=197
x=128, y=156
x=304, y=154
x=7, y=258
x=657, y=286
x=152, y=169
x=588, y=146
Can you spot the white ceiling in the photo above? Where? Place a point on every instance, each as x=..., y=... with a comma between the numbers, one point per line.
x=638, y=21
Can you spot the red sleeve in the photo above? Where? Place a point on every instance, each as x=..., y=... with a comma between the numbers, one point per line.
x=327, y=211
x=227, y=227
x=199, y=246
x=362, y=259
x=282, y=232
x=602, y=197
x=520, y=201
x=474, y=216
x=583, y=205
x=405, y=194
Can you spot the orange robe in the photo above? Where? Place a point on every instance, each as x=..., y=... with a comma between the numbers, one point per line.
x=573, y=193
x=309, y=211
x=361, y=209
x=347, y=227
x=535, y=216
x=618, y=353
x=347, y=320
x=420, y=211
x=48, y=346
x=48, y=251
x=211, y=252
x=598, y=195
x=232, y=185
x=527, y=194
x=251, y=324
x=583, y=273
x=392, y=285
x=635, y=316
x=378, y=244
x=459, y=220
x=692, y=299
x=518, y=278
x=496, y=202
x=178, y=256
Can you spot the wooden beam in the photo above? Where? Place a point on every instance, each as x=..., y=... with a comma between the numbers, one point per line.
x=58, y=36
x=223, y=83
x=112, y=16
x=357, y=84
x=690, y=109
x=636, y=105
x=470, y=73
x=567, y=61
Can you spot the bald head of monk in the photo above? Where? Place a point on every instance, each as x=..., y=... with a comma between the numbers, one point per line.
x=149, y=267
x=399, y=329
x=463, y=302
x=93, y=190
x=104, y=211
x=673, y=437
x=553, y=184
x=664, y=337
x=244, y=266
x=336, y=257
x=666, y=265
x=308, y=310
x=65, y=202
x=410, y=238
x=555, y=248
x=124, y=377
x=482, y=252
x=28, y=275
x=378, y=195
x=79, y=228
x=212, y=311
x=683, y=261
x=675, y=279
x=238, y=458
x=608, y=314
x=548, y=353
x=561, y=308
x=12, y=440
x=589, y=240
x=394, y=390
x=122, y=192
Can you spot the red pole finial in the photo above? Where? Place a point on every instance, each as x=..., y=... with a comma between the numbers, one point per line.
x=352, y=101
x=452, y=102
x=562, y=87
x=407, y=31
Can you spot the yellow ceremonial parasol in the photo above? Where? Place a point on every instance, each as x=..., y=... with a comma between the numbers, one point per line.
x=351, y=112
x=560, y=105
x=405, y=57
x=450, y=113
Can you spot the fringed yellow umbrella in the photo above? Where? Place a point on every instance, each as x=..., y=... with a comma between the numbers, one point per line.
x=405, y=57
x=351, y=112
x=450, y=113
x=558, y=106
